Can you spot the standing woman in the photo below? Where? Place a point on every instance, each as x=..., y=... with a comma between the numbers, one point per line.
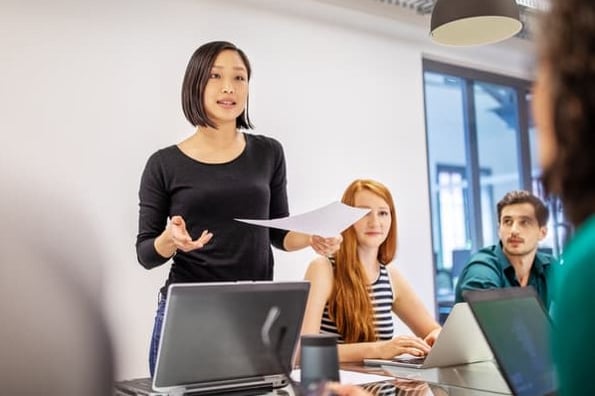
x=353, y=292
x=564, y=111
x=202, y=183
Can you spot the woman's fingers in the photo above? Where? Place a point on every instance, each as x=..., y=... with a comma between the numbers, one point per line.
x=333, y=244
x=326, y=246
x=204, y=238
x=178, y=221
x=431, y=338
x=408, y=344
x=182, y=239
x=420, y=345
x=186, y=243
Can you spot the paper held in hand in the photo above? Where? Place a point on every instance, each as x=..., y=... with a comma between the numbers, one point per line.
x=327, y=221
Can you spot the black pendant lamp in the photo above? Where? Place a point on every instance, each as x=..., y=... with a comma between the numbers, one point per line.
x=474, y=22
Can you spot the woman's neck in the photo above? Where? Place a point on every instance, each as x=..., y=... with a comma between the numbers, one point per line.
x=218, y=138
x=214, y=146
x=224, y=131
x=369, y=260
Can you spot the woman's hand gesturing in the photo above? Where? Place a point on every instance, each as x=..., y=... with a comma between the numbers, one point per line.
x=182, y=240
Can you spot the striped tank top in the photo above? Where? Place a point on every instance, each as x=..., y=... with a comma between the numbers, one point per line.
x=381, y=295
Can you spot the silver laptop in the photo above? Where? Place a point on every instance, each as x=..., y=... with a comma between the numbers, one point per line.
x=212, y=337
x=518, y=329
x=461, y=341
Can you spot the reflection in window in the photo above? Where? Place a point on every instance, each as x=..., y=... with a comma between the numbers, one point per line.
x=497, y=130
x=452, y=213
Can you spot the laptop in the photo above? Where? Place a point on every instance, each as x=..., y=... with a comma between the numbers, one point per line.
x=213, y=339
x=517, y=327
x=460, y=341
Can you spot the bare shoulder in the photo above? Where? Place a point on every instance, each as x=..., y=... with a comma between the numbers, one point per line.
x=394, y=273
x=320, y=268
x=321, y=277
x=400, y=285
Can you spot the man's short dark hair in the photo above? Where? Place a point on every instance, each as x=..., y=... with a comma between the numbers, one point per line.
x=196, y=78
x=542, y=213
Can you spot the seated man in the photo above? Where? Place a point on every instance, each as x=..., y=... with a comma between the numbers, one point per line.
x=515, y=261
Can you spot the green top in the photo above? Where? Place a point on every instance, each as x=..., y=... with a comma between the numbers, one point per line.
x=489, y=268
x=574, y=320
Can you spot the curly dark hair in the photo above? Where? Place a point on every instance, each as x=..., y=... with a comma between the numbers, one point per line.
x=567, y=49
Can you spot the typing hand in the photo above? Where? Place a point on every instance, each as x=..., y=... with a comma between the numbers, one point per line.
x=182, y=240
x=403, y=344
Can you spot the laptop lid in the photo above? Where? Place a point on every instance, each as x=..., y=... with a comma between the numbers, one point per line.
x=461, y=341
x=517, y=327
x=211, y=336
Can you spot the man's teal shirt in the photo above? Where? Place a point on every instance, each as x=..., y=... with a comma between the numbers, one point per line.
x=489, y=268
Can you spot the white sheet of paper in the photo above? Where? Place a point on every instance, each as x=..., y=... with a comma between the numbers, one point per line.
x=349, y=377
x=327, y=221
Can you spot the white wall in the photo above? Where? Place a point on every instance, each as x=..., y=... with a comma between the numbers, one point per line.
x=89, y=89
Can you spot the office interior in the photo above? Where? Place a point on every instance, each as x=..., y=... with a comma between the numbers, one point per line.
x=90, y=89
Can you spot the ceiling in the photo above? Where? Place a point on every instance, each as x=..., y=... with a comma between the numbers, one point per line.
x=529, y=9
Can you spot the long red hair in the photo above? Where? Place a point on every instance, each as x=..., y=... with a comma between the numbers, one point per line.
x=349, y=304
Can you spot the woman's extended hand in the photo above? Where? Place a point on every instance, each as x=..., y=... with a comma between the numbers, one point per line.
x=182, y=240
x=325, y=246
x=403, y=344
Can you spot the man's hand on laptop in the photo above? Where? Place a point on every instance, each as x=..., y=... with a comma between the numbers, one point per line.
x=399, y=345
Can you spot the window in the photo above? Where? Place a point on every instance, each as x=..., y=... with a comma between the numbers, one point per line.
x=480, y=141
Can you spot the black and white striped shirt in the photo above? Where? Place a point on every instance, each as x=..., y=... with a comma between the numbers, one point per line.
x=381, y=295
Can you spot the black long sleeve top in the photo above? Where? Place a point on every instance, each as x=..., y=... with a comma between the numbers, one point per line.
x=209, y=197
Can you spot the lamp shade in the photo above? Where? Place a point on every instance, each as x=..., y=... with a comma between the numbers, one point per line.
x=474, y=22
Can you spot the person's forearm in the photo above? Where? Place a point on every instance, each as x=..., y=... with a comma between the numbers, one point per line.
x=432, y=329
x=427, y=325
x=355, y=352
x=296, y=241
x=164, y=244
x=358, y=351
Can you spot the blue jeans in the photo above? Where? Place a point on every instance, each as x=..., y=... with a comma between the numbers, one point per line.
x=156, y=333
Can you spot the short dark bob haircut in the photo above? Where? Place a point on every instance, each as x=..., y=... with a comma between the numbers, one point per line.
x=196, y=78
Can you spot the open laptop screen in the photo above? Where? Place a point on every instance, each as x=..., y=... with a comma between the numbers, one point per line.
x=212, y=332
x=517, y=328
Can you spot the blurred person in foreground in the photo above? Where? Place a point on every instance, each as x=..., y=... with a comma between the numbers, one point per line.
x=564, y=111
x=53, y=337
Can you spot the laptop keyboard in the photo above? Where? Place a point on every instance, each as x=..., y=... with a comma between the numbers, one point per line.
x=143, y=386
x=410, y=360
